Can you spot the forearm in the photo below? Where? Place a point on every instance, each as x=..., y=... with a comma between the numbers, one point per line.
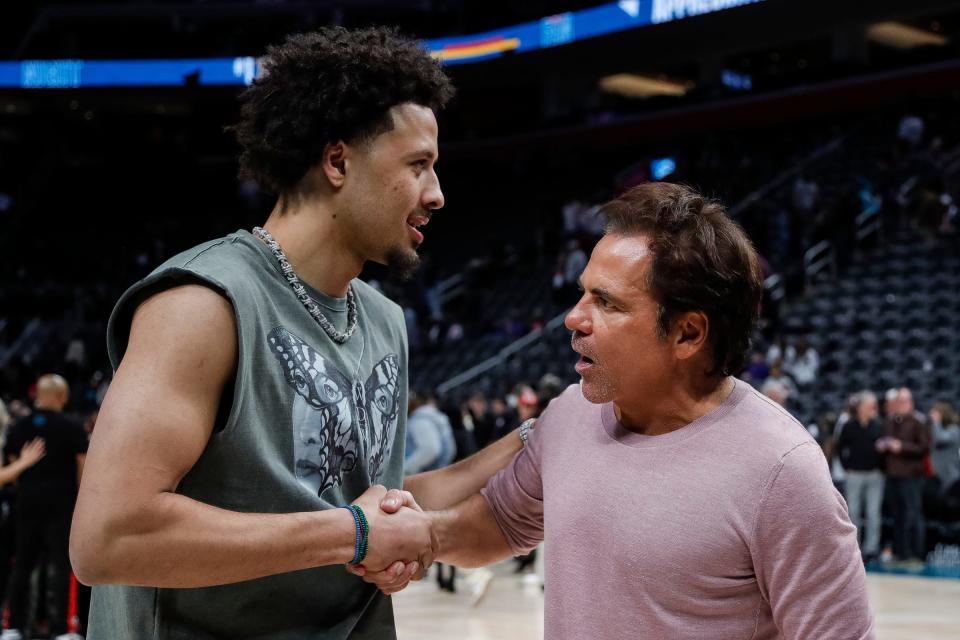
x=11, y=472
x=175, y=542
x=468, y=534
x=444, y=488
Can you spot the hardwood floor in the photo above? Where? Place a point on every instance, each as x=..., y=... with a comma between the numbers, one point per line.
x=907, y=608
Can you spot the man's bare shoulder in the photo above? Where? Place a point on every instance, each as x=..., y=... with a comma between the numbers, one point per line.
x=190, y=328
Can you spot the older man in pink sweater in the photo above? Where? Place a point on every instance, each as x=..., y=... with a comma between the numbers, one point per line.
x=678, y=502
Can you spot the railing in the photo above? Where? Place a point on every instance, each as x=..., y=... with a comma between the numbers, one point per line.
x=451, y=287
x=775, y=287
x=868, y=221
x=758, y=193
x=514, y=347
x=26, y=338
x=818, y=259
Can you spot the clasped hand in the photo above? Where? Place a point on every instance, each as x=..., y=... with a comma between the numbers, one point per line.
x=402, y=542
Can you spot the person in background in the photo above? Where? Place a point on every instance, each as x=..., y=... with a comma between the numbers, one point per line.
x=776, y=391
x=778, y=375
x=502, y=417
x=945, y=455
x=480, y=419
x=803, y=364
x=758, y=369
x=905, y=443
x=429, y=445
x=46, y=494
x=863, y=464
x=429, y=441
x=32, y=452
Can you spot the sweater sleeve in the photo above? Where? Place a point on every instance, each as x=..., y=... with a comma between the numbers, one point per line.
x=805, y=553
x=515, y=495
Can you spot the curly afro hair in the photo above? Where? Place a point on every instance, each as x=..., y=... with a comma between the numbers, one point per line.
x=328, y=85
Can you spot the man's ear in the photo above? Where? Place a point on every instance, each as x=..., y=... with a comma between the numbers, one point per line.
x=690, y=334
x=333, y=164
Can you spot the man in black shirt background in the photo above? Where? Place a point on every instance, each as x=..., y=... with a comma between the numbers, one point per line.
x=857, y=446
x=46, y=494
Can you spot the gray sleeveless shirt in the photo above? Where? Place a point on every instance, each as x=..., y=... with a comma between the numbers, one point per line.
x=310, y=426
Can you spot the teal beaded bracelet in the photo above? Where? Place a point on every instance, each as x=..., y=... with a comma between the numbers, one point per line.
x=363, y=531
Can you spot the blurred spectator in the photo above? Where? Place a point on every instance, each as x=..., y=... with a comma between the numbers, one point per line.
x=778, y=376
x=504, y=418
x=945, y=455
x=528, y=404
x=574, y=263
x=430, y=442
x=776, y=391
x=890, y=402
x=777, y=350
x=549, y=387
x=905, y=443
x=856, y=447
x=46, y=494
x=802, y=362
x=910, y=130
x=480, y=420
x=29, y=455
x=806, y=195
x=758, y=369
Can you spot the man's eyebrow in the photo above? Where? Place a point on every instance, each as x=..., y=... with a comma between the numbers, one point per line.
x=423, y=152
x=600, y=292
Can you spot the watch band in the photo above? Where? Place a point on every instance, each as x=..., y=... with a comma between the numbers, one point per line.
x=525, y=428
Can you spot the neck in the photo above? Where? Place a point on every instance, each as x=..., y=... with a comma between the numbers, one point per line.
x=675, y=407
x=40, y=405
x=314, y=244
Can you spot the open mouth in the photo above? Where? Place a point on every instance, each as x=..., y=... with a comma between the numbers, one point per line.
x=415, y=222
x=583, y=364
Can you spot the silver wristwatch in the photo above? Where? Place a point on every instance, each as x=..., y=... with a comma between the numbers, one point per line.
x=525, y=428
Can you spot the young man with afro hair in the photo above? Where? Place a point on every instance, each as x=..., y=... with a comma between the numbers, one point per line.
x=261, y=386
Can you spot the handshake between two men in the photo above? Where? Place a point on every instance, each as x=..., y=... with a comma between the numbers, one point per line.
x=402, y=541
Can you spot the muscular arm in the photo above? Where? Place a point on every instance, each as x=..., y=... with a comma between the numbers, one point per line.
x=130, y=526
x=444, y=488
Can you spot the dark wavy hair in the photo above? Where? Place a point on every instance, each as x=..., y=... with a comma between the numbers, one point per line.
x=328, y=85
x=702, y=261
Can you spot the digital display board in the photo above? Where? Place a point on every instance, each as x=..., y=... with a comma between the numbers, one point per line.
x=551, y=31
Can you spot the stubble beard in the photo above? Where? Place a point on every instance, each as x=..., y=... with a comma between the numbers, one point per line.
x=402, y=263
x=598, y=390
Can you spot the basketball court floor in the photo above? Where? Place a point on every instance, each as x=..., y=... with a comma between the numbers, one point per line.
x=907, y=608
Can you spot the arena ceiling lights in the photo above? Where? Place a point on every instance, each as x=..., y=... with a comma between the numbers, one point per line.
x=902, y=36
x=637, y=86
x=552, y=31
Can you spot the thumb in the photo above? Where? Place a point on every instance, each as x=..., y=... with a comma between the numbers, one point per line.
x=392, y=501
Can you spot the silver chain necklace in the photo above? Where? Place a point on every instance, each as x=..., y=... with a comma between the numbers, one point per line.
x=337, y=336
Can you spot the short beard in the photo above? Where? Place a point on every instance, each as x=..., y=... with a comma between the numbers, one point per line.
x=402, y=263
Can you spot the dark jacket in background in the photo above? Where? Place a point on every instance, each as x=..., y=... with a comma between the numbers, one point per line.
x=915, y=438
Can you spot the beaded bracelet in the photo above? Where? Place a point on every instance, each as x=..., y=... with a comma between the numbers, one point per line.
x=363, y=532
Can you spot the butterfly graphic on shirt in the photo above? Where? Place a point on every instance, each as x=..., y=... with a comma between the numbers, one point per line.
x=337, y=423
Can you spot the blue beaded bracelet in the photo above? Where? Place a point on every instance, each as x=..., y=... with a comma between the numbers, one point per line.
x=360, y=548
